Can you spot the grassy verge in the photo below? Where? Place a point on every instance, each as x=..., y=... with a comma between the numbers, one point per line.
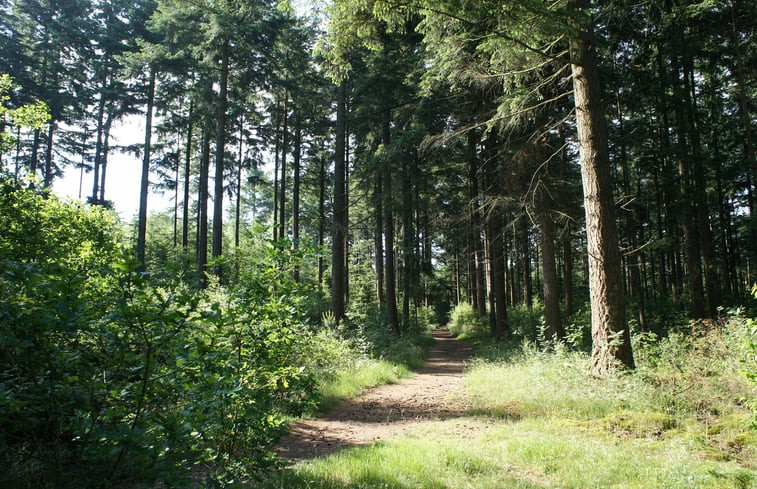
x=681, y=420
x=347, y=363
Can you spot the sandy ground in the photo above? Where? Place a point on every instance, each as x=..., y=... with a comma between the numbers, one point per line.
x=389, y=410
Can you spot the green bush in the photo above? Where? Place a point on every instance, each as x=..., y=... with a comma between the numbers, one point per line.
x=465, y=322
x=106, y=378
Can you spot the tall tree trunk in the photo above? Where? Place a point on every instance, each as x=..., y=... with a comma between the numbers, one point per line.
x=296, y=186
x=98, y=147
x=104, y=153
x=568, y=269
x=220, y=154
x=526, y=263
x=691, y=238
x=611, y=340
x=634, y=263
x=283, y=179
x=321, y=216
x=389, y=264
x=478, y=281
x=702, y=217
x=277, y=147
x=238, y=203
x=408, y=264
x=378, y=239
x=187, y=172
x=202, y=205
x=495, y=227
x=34, y=159
x=554, y=325
x=48, y=181
x=144, y=186
x=339, y=231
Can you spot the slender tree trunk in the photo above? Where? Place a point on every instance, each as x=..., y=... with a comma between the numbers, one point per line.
x=144, y=186
x=98, y=147
x=277, y=147
x=378, y=238
x=220, y=155
x=48, y=181
x=554, y=325
x=187, y=172
x=238, y=203
x=568, y=270
x=477, y=257
x=611, y=341
x=321, y=216
x=296, y=184
x=634, y=263
x=34, y=159
x=526, y=263
x=202, y=205
x=702, y=217
x=283, y=179
x=389, y=265
x=495, y=228
x=104, y=154
x=691, y=240
x=339, y=232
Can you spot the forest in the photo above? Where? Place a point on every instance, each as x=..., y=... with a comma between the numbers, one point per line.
x=566, y=186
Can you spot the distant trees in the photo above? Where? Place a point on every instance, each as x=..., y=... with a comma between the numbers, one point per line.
x=437, y=149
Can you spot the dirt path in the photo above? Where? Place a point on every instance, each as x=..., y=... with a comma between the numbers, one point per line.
x=387, y=410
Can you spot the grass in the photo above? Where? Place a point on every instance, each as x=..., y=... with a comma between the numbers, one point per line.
x=347, y=365
x=681, y=420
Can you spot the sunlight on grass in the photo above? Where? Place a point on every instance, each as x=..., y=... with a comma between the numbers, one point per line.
x=366, y=373
x=533, y=453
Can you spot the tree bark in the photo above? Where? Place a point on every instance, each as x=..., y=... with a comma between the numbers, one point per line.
x=611, y=340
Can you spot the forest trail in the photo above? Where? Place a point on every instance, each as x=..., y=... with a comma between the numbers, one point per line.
x=388, y=410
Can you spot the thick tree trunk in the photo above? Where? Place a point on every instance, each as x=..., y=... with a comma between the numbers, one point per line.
x=145, y=180
x=611, y=340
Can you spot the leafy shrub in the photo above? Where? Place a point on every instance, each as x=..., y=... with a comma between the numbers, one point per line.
x=106, y=378
x=466, y=322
